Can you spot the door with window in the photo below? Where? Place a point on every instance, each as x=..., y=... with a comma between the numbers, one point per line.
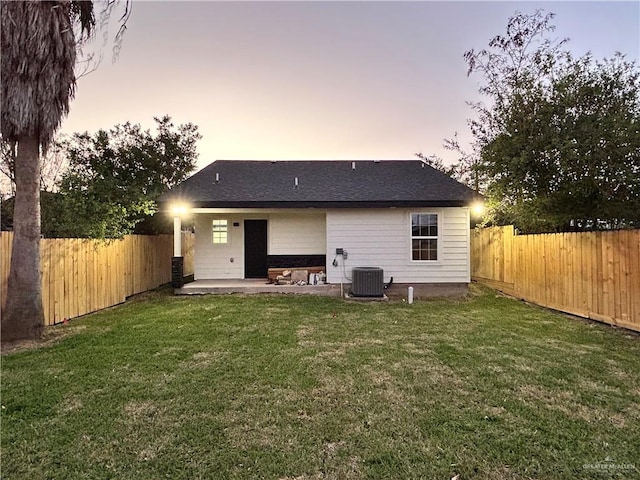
x=255, y=249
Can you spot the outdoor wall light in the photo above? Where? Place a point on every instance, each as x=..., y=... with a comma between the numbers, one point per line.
x=178, y=210
x=477, y=208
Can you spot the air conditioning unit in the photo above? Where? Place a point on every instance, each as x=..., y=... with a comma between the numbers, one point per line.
x=367, y=282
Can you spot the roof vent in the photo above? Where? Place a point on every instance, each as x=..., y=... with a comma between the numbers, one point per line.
x=217, y=177
x=295, y=183
x=353, y=165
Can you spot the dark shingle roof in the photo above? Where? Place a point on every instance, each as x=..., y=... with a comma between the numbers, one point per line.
x=328, y=184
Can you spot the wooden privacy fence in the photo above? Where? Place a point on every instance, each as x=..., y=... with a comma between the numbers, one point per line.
x=81, y=276
x=592, y=274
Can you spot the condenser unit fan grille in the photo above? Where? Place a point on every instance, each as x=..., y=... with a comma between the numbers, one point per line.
x=367, y=282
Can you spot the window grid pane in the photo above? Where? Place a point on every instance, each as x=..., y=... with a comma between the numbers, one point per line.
x=220, y=231
x=424, y=233
x=425, y=249
x=424, y=225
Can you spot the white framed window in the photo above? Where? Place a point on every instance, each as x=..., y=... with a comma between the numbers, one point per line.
x=220, y=231
x=424, y=237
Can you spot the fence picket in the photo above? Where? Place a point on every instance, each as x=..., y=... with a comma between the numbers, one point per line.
x=592, y=274
x=83, y=276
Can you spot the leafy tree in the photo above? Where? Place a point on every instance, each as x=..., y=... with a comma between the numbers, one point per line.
x=7, y=169
x=464, y=170
x=559, y=142
x=437, y=163
x=115, y=176
x=53, y=163
x=54, y=214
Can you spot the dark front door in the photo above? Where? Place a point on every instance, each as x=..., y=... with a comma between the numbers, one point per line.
x=255, y=249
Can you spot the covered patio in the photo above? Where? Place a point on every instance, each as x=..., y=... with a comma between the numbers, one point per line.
x=253, y=286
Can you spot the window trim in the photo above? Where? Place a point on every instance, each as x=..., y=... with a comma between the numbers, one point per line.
x=438, y=237
x=214, y=231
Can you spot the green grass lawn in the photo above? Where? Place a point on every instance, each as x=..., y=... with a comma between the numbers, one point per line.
x=292, y=387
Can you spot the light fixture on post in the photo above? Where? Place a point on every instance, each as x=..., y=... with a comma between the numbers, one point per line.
x=477, y=208
x=178, y=209
x=177, y=261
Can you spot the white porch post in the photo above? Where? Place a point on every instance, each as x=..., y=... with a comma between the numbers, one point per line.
x=177, y=236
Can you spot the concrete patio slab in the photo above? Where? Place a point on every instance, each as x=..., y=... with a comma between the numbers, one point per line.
x=253, y=286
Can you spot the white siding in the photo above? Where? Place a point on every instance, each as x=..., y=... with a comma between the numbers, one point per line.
x=215, y=261
x=288, y=233
x=299, y=233
x=382, y=238
x=372, y=238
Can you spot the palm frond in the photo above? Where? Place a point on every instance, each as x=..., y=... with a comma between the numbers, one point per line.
x=38, y=57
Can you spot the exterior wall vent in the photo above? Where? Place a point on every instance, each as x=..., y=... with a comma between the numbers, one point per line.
x=367, y=282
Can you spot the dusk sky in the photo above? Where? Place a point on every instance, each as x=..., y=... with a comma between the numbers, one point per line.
x=318, y=80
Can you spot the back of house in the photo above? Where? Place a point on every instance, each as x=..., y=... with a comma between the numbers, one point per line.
x=253, y=218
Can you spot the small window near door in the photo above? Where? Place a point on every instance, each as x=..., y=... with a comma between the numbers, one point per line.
x=424, y=237
x=220, y=231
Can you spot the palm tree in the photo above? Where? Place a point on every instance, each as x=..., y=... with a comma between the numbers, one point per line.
x=39, y=45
